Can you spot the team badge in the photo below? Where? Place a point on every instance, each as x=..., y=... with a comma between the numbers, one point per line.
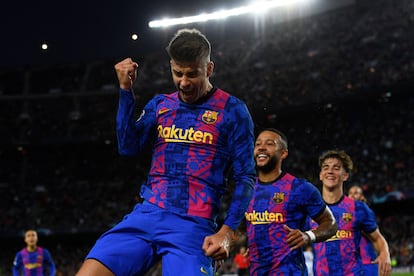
x=347, y=217
x=210, y=117
x=278, y=198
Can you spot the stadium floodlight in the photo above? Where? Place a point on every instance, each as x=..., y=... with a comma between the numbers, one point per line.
x=256, y=7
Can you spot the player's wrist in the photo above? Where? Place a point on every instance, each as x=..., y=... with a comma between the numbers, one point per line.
x=311, y=235
x=228, y=231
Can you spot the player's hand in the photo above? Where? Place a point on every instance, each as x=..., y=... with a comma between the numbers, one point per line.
x=384, y=265
x=296, y=238
x=218, y=245
x=126, y=71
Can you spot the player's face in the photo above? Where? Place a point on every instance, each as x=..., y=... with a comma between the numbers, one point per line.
x=268, y=151
x=355, y=193
x=30, y=238
x=332, y=173
x=192, y=79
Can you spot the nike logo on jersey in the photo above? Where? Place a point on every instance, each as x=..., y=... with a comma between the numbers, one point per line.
x=162, y=111
x=203, y=270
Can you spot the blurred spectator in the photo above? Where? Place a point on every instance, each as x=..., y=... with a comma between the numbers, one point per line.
x=241, y=262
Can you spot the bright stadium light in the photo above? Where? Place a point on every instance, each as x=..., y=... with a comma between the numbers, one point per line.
x=256, y=7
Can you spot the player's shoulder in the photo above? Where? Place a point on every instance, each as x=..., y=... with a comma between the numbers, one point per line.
x=20, y=253
x=166, y=96
x=358, y=204
x=218, y=91
x=302, y=182
x=163, y=99
x=363, y=207
x=46, y=251
x=232, y=99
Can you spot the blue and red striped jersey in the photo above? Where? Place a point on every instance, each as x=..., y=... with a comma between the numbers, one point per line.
x=33, y=263
x=368, y=253
x=340, y=255
x=194, y=146
x=287, y=200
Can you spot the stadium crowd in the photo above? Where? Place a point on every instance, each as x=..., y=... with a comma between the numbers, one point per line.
x=324, y=81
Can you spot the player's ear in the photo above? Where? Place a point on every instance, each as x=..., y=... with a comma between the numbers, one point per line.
x=345, y=176
x=284, y=154
x=210, y=68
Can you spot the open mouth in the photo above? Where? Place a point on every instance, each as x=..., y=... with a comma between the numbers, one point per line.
x=188, y=95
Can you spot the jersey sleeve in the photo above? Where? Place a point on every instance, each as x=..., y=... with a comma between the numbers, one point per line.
x=314, y=203
x=49, y=262
x=133, y=134
x=17, y=264
x=368, y=220
x=241, y=146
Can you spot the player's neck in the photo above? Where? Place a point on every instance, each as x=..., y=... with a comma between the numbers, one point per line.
x=31, y=248
x=332, y=196
x=209, y=87
x=269, y=176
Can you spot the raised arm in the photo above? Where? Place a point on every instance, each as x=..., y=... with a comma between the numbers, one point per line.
x=126, y=71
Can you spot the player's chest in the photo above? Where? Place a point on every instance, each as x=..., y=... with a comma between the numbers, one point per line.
x=346, y=218
x=274, y=199
x=198, y=125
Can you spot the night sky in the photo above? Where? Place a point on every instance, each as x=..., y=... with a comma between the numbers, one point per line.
x=78, y=31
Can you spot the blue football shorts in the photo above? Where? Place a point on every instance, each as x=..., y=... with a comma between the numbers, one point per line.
x=150, y=233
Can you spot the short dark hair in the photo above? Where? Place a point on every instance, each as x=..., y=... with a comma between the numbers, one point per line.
x=189, y=45
x=280, y=133
x=340, y=155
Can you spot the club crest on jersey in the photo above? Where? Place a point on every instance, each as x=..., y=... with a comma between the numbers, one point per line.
x=278, y=198
x=347, y=217
x=209, y=116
